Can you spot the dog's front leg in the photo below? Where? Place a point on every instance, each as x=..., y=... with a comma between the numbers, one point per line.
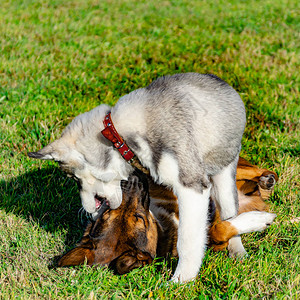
x=192, y=232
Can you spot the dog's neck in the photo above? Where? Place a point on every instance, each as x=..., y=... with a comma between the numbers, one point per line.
x=129, y=116
x=112, y=135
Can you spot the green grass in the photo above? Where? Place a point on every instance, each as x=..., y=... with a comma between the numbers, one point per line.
x=60, y=58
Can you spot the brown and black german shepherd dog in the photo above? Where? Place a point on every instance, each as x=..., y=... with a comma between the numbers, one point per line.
x=145, y=225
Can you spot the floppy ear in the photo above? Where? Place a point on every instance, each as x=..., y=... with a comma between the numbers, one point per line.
x=129, y=261
x=77, y=256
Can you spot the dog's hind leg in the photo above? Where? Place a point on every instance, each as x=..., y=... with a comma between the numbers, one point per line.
x=193, y=215
x=225, y=195
x=221, y=232
x=192, y=232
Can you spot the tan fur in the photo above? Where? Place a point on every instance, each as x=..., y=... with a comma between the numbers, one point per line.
x=117, y=233
x=220, y=233
x=250, y=199
x=159, y=228
x=247, y=171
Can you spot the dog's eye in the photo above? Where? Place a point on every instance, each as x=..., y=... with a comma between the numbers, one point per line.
x=139, y=217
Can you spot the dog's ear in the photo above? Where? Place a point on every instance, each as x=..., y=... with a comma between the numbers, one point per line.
x=49, y=152
x=77, y=256
x=45, y=153
x=129, y=261
x=144, y=187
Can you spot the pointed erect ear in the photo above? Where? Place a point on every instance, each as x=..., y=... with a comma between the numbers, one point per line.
x=48, y=152
x=77, y=256
x=144, y=188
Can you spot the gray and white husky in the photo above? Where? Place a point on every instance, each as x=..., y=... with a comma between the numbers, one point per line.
x=186, y=129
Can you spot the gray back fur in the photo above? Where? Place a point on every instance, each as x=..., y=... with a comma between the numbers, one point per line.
x=198, y=118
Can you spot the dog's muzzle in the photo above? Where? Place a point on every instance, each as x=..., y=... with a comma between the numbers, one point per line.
x=101, y=205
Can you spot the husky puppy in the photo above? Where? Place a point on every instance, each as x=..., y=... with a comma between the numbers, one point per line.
x=186, y=129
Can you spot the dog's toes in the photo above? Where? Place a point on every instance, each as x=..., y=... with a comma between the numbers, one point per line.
x=267, y=181
x=239, y=254
x=236, y=248
x=269, y=218
x=174, y=279
x=179, y=279
x=183, y=275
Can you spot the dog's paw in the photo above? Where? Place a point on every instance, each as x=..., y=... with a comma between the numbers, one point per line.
x=181, y=279
x=183, y=276
x=174, y=279
x=267, y=181
x=252, y=221
x=238, y=253
x=236, y=248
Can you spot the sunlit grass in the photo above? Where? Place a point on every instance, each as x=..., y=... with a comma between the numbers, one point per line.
x=61, y=58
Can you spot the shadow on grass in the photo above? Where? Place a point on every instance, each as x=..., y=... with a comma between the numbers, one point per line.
x=51, y=199
x=47, y=197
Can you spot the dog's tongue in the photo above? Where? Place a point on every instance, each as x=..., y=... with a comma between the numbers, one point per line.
x=101, y=203
x=98, y=203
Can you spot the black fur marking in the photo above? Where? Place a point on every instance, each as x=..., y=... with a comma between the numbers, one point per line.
x=107, y=158
x=144, y=187
x=157, y=148
x=132, y=144
x=36, y=155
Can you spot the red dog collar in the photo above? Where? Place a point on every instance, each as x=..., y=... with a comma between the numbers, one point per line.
x=112, y=135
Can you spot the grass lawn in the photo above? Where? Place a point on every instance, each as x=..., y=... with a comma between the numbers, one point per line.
x=60, y=58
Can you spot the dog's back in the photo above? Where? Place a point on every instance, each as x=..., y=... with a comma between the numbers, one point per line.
x=198, y=118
